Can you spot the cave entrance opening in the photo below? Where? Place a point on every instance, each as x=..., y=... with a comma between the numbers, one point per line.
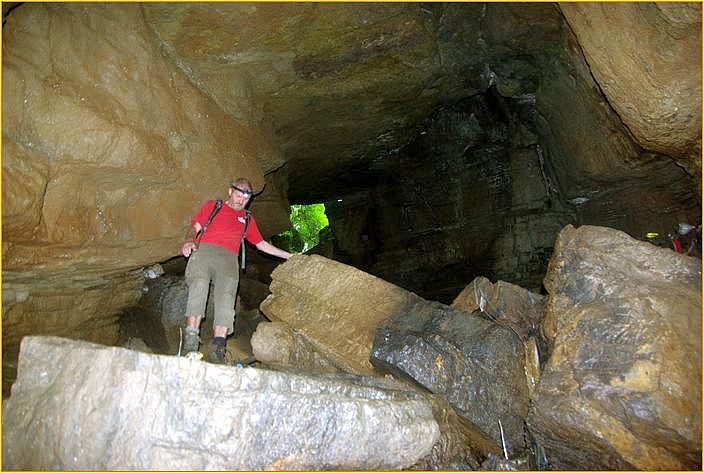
x=309, y=228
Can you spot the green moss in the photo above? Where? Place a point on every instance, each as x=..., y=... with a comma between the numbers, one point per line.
x=309, y=227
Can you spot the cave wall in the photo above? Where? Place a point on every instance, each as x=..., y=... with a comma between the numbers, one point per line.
x=471, y=200
x=486, y=183
x=641, y=56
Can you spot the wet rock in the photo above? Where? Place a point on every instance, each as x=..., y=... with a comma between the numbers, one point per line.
x=77, y=405
x=454, y=450
x=327, y=314
x=279, y=346
x=622, y=388
x=474, y=363
x=514, y=307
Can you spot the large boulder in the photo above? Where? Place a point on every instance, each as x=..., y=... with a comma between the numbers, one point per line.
x=506, y=303
x=622, y=388
x=81, y=406
x=335, y=306
x=325, y=317
x=473, y=362
x=278, y=345
x=514, y=307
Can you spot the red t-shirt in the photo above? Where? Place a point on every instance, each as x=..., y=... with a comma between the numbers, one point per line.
x=227, y=227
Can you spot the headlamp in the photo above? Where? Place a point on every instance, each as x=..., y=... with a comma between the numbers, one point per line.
x=244, y=192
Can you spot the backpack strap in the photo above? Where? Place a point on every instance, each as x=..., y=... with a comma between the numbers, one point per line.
x=247, y=213
x=216, y=209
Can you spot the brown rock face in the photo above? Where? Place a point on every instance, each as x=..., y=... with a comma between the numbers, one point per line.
x=332, y=79
x=108, y=146
x=622, y=388
x=655, y=90
x=506, y=303
x=278, y=345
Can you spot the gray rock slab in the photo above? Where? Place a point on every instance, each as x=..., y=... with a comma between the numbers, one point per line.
x=77, y=405
x=476, y=364
x=279, y=346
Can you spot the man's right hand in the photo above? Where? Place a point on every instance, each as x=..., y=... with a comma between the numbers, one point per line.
x=188, y=248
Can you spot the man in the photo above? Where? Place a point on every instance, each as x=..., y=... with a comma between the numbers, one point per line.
x=213, y=249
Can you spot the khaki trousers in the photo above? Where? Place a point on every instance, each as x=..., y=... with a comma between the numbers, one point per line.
x=213, y=263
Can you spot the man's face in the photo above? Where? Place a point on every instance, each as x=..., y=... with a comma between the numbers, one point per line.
x=239, y=196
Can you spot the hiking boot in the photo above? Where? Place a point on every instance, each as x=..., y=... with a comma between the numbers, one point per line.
x=217, y=355
x=191, y=340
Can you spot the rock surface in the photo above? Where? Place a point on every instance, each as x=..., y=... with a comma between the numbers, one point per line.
x=278, y=345
x=622, y=389
x=309, y=71
x=335, y=306
x=83, y=406
x=505, y=303
x=101, y=168
x=475, y=131
x=516, y=308
x=655, y=90
x=474, y=363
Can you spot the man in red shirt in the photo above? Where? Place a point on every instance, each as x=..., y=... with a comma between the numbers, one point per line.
x=213, y=255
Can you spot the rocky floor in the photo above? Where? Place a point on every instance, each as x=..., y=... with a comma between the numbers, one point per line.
x=139, y=330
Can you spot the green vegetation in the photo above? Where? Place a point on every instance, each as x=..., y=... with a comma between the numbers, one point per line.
x=309, y=227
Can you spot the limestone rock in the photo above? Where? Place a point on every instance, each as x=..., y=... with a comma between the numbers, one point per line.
x=278, y=345
x=622, y=389
x=119, y=118
x=79, y=307
x=326, y=314
x=474, y=363
x=647, y=60
x=504, y=302
x=454, y=449
x=115, y=129
x=84, y=406
x=514, y=307
x=335, y=306
x=343, y=55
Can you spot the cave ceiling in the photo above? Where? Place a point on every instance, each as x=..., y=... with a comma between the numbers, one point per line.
x=341, y=86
